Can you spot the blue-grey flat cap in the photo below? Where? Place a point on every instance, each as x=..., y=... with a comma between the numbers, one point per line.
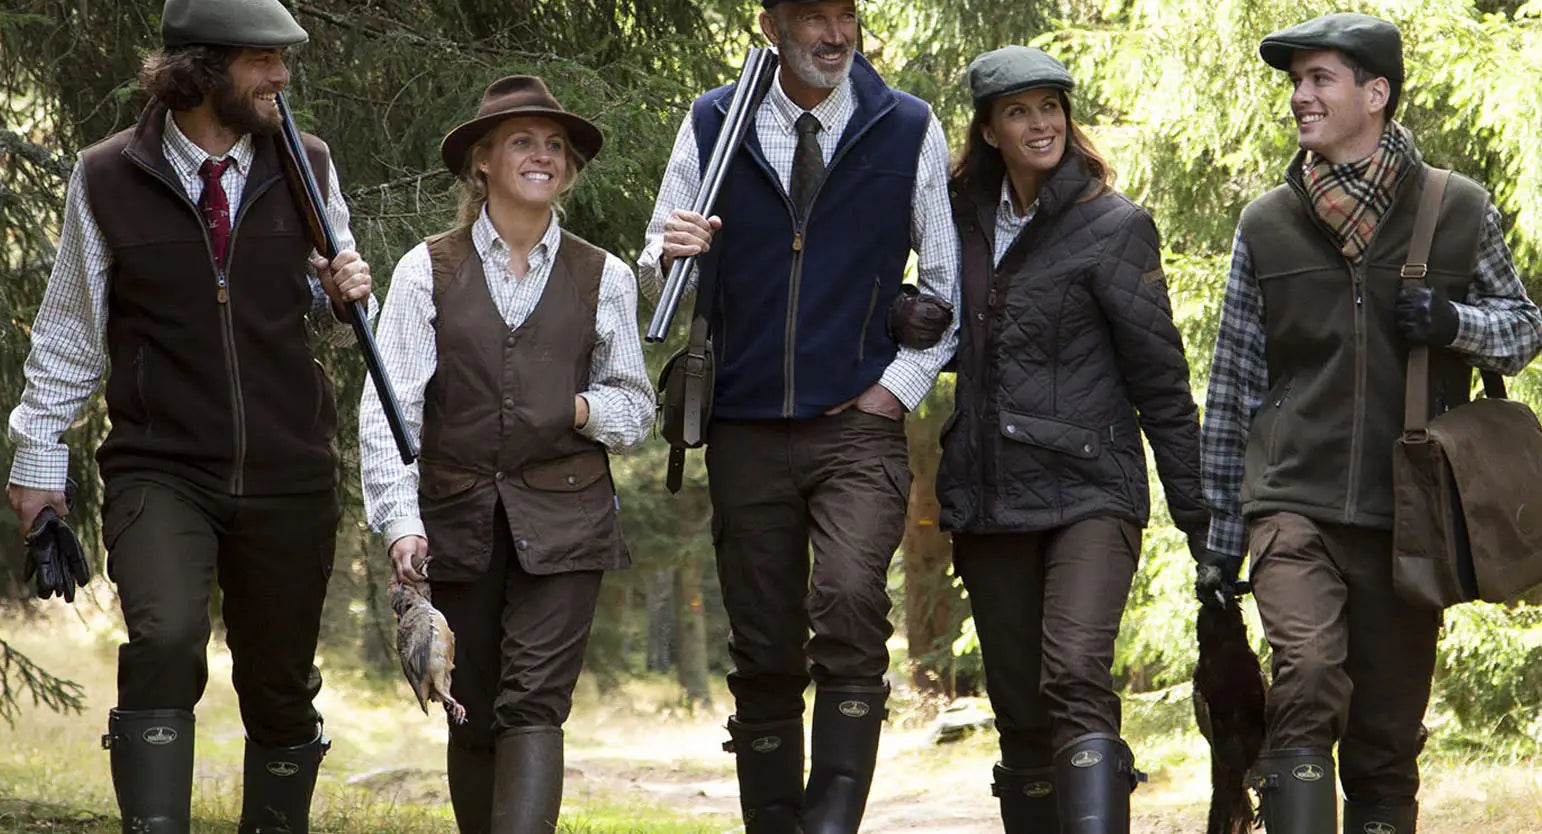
x=1012, y=69
x=1372, y=42
x=261, y=24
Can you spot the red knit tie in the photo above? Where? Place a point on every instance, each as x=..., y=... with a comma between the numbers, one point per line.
x=216, y=207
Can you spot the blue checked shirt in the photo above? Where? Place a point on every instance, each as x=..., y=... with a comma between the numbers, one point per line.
x=1498, y=329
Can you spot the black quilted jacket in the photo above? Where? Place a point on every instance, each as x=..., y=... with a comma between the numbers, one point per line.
x=1067, y=352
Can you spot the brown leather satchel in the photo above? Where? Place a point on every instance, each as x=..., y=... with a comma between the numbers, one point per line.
x=1468, y=483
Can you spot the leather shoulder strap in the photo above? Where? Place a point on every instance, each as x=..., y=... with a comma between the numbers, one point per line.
x=1416, y=405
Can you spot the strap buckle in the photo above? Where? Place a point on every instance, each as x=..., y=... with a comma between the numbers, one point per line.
x=1414, y=272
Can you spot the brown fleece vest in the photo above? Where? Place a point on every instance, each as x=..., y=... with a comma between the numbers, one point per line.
x=1321, y=443
x=220, y=390
x=498, y=421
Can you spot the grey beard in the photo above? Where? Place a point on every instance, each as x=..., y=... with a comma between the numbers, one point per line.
x=801, y=63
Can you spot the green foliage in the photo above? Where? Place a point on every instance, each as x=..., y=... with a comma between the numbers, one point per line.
x=1490, y=669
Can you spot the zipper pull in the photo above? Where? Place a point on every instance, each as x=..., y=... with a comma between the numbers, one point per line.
x=990, y=298
x=223, y=296
x=797, y=242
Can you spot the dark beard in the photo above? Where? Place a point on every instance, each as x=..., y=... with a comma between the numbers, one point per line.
x=238, y=113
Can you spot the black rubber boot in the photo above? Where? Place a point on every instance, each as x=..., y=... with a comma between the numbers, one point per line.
x=527, y=781
x=1094, y=775
x=769, y=760
x=152, y=768
x=470, y=773
x=1296, y=791
x=1360, y=818
x=279, y=782
x=1028, y=801
x=847, y=723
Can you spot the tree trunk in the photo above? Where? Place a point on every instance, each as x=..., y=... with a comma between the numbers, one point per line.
x=691, y=634
x=660, y=652
x=931, y=602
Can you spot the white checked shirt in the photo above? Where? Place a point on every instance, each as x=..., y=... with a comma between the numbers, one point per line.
x=1009, y=224
x=69, y=337
x=932, y=234
x=621, y=400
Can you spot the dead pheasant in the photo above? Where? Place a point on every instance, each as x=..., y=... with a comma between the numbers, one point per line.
x=1229, y=707
x=426, y=647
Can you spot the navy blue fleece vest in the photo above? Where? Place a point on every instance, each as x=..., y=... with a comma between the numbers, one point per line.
x=798, y=321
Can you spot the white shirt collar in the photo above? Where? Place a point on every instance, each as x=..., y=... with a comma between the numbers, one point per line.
x=488, y=244
x=828, y=112
x=186, y=157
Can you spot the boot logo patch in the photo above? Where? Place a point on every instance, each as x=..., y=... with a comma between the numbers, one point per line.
x=1380, y=828
x=765, y=744
x=1086, y=758
x=159, y=735
x=1038, y=790
x=854, y=709
x=283, y=768
x=1311, y=773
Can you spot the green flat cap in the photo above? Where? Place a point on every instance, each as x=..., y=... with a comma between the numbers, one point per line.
x=1012, y=69
x=1374, y=43
x=261, y=24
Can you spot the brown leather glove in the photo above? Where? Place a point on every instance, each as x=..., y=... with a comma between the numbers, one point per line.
x=918, y=320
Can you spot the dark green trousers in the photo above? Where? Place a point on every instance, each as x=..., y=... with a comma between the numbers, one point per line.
x=168, y=543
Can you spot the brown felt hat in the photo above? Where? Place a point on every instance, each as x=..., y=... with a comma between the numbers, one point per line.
x=506, y=98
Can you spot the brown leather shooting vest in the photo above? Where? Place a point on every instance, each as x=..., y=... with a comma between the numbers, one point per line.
x=1321, y=443
x=498, y=421
x=217, y=385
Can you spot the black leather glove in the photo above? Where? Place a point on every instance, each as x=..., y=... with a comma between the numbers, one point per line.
x=1215, y=579
x=918, y=320
x=1426, y=316
x=54, y=555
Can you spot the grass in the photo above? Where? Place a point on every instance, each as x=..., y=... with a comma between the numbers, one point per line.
x=638, y=763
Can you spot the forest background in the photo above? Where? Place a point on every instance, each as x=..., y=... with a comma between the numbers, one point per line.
x=1172, y=91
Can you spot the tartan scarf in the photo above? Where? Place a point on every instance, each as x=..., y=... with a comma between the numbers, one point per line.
x=1351, y=198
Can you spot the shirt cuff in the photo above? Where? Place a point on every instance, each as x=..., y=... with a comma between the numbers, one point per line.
x=41, y=467
x=1469, y=329
x=402, y=527
x=908, y=381
x=599, y=410
x=1228, y=535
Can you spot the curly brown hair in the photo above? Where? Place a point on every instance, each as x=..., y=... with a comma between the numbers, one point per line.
x=181, y=76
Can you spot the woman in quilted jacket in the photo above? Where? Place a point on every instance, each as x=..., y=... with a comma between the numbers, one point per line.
x=1067, y=353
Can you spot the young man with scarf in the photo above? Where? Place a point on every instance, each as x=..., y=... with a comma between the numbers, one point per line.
x=840, y=177
x=1306, y=402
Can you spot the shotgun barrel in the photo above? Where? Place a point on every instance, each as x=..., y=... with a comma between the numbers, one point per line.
x=307, y=196
x=754, y=81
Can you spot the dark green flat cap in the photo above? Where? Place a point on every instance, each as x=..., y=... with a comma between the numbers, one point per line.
x=1012, y=69
x=261, y=24
x=1374, y=43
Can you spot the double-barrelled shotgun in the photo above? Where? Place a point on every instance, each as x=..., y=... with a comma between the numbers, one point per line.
x=302, y=184
x=754, y=81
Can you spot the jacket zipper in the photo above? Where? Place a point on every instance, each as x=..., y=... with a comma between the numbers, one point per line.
x=795, y=276
x=872, y=304
x=227, y=324
x=1274, y=429
x=988, y=419
x=1357, y=284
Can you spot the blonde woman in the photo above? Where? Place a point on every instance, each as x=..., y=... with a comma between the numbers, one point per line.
x=513, y=345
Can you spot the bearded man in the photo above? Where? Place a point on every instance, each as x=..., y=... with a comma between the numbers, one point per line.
x=182, y=267
x=840, y=178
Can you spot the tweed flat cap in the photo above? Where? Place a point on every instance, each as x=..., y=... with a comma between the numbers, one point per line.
x=1374, y=43
x=261, y=24
x=1012, y=69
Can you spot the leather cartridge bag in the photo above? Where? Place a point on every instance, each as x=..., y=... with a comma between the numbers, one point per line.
x=1468, y=483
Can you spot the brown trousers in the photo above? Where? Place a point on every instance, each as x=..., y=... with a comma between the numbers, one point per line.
x=168, y=541
x=839, y=483
x=1046, y=608
x=519, y=642
x=1352, y=661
